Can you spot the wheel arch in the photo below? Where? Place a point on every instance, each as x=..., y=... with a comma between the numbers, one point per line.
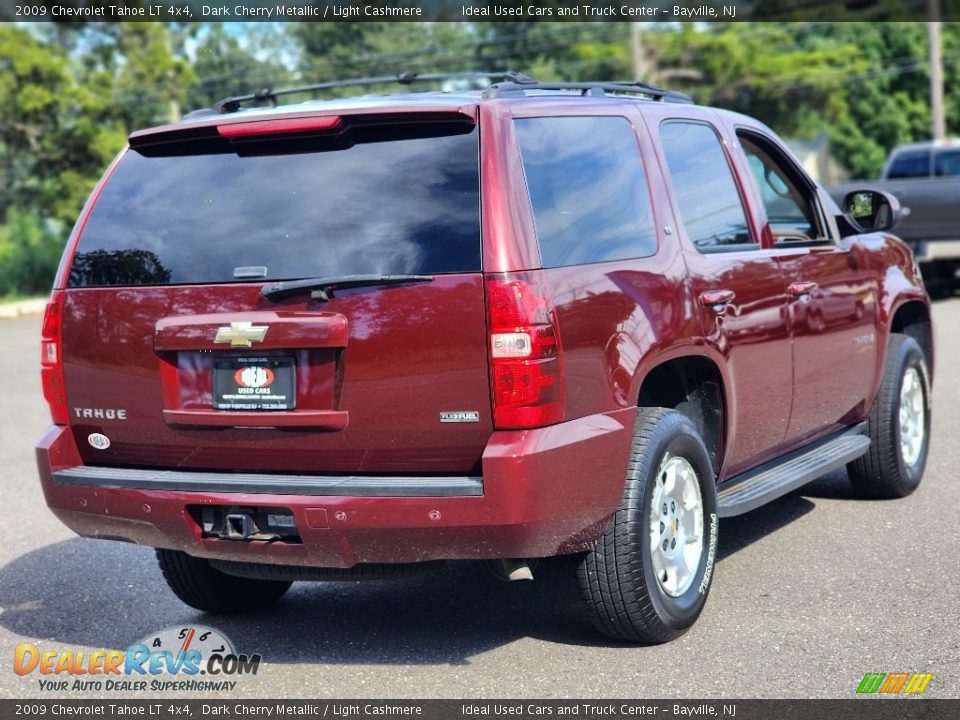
x=912, y=317
x=693, y=385
x=903, y=303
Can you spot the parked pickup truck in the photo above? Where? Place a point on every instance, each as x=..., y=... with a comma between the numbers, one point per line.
x=357, y=338
x=925, y=178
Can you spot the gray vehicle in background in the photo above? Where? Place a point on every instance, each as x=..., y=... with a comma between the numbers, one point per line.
x=925, y=178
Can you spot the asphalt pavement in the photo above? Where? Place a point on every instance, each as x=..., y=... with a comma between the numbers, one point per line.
x=810, y=593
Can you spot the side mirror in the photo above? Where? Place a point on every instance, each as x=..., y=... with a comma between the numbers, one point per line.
x=872, y=210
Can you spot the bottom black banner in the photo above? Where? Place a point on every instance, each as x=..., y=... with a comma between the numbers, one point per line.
x=854, y=709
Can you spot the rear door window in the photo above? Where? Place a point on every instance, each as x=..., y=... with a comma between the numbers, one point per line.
x=910, y=164
x=947, y=163
x=384, y=206
x=587, y=189
x=705, y=190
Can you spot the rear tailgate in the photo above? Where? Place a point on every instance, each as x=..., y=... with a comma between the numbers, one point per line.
x=175, y=357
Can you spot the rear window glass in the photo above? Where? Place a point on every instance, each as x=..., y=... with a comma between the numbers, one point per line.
x=947, y=163
x=587, y=189
x=911, y=164
x=387, y=207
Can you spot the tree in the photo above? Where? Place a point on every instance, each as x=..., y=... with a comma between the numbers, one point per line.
x=30, y=249
x=886, y=102
x=152, y=83
x=226, y=64
x=759, y=70
x=64, y=114
x=866, y=85
x=54, y=140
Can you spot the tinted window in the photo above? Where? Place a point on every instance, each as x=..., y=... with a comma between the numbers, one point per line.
x=910, y=164
x=703, y=185
x=398, y=206
x=946, y=162
x=587, y=189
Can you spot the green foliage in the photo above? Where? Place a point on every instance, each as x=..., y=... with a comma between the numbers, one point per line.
x=151, y=83
x=861, y=205
x=53, y=143
x=887, y=102
x=866, y=85
x=350, y=50
x=30, y=250
x=224, y=66
x=64, y=113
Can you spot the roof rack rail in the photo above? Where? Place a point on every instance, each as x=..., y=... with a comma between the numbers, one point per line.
x=520, y=86
x=232, y=104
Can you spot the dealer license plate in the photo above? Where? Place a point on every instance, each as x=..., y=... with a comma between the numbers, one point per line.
x=254, y=383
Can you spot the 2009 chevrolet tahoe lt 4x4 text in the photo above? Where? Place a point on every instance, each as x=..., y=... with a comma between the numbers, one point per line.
x=358, y=337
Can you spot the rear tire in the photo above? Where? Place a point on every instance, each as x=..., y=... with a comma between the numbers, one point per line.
x=204, y=588
x=648, y=577
x=898, y=426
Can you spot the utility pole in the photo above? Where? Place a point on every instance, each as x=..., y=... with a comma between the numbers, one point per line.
x=641, y=68
x=645, y=66
x=936, y=71
x=174, y=107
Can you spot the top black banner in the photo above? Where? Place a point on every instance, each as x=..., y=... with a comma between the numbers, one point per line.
x=662, y=11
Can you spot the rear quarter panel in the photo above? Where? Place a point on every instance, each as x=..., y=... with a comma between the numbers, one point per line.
x=617, y=319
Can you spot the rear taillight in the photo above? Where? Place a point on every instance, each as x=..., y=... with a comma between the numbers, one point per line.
x=51, y=360
x=526, y=364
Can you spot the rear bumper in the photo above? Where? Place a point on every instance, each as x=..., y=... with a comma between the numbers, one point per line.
x=543, y=492
x=269, y=483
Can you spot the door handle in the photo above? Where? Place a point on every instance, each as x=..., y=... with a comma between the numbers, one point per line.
x=717, y=299
x=799, y=289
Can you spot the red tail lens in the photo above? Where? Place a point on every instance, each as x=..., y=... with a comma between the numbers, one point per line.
x=525, y=357
x=51, y=361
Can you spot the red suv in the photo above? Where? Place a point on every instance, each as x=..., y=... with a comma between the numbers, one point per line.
x=356, y=338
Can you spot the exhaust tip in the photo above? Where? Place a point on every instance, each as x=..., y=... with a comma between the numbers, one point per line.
x=511, y=570
x=523, y=572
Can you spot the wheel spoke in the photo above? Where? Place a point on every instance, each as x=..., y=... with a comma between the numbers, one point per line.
x=692, y=557
x=691, y=492
x=681, y=569
x=692, y=526
x=671, y=482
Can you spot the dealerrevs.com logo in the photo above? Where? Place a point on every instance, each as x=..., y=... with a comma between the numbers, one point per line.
x=188, y=659
x=898, y=683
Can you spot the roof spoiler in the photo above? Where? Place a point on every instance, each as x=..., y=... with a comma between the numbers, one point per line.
x=218, y=130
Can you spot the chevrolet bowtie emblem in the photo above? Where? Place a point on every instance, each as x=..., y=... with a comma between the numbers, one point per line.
x=241, y=334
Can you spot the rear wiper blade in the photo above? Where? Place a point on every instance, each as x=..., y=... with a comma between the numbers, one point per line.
x=322, y=288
